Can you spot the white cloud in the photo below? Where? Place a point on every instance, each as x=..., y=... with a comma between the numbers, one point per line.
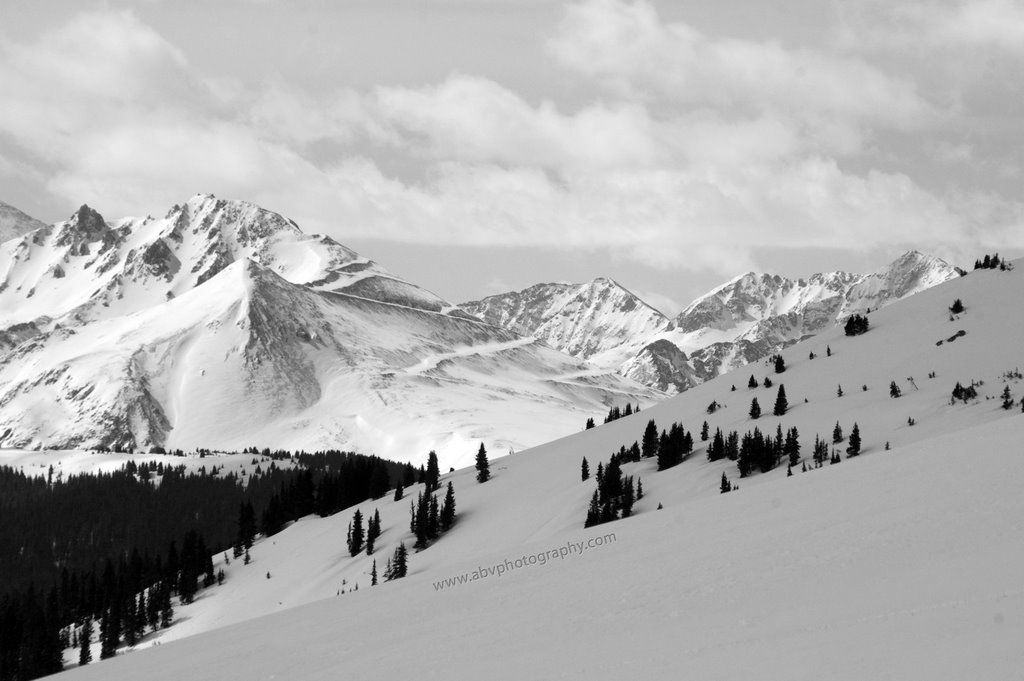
x=730, y=152
x=626, y=46
x=988, y=23
x=99, y=69
x=476, y=119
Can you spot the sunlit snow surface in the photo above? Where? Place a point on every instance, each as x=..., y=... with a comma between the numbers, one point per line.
x=902, y=564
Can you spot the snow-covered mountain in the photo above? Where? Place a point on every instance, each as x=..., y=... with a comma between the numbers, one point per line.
x=223, y=325
x=583, y=320
x=14, y=223
x=740, y=322
x=902, y=562
x=754, y=315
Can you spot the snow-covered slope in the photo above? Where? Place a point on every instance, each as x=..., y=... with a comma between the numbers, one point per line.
x=223, y=325
x=901, y=563
x=14, y=223
x=735, y=324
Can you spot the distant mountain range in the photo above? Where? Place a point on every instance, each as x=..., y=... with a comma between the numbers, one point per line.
x=224, y=325
x=737, y=323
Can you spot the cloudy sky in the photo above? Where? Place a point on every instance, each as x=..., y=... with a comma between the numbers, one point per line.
x=476, y=146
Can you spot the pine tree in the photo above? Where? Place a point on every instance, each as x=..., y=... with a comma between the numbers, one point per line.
x=755, y=409
x=856, y=325
x=418, y=526
x=839, y=391
x=780, y=364
x=732, y=445
x=639, y=489
x=781, y=403
x=448, y=509
x=792, y=447
x=820, y=451
x=704, y=432
x=726, y=486
x=433, y=473
x=585, y=469
x=628, y=497
x=166, y=611
x=483, y=468
x=85, y=655
x=649, y=446
x=110, y=627
x=372, y=531
x=593, y=512
x=247, y=524
x=373, y=573
x=355, y=535
x=837, y=434
x=590, y=424
x=140, y=615
x=752, y=383
x=400, y=564
x=828, y=351
x=768, y=382
x=853, y=449
x=1007, y=398
x=399, y=492
x=433, y=518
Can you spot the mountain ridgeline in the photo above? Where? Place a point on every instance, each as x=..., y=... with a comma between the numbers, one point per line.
x=222, y=324
x=738, y=323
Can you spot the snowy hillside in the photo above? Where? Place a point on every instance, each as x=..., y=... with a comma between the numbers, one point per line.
x=222, y=325
x=14, y=223
x=903, y=562
x=735, y=324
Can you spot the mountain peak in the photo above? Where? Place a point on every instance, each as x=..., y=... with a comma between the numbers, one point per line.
x=580, y=319
x=14, y=223
x=87, y=220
